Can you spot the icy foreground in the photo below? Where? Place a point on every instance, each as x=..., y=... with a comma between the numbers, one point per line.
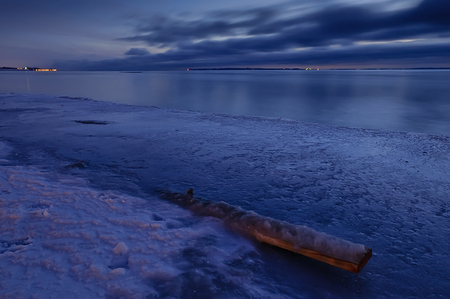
x=80, y=214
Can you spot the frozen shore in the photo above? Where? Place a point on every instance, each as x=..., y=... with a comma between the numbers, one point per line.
x=80, y=214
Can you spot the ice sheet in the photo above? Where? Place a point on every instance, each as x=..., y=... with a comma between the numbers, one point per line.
x=387, y=190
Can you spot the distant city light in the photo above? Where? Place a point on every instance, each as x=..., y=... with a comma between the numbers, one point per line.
x=36, y=69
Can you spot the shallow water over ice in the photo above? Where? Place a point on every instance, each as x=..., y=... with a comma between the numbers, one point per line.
x=386, y=190
x=401, y=100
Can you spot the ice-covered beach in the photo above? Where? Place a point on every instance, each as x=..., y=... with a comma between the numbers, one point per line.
x=81, y=216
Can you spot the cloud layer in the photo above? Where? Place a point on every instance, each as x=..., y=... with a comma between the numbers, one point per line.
x=290, y=35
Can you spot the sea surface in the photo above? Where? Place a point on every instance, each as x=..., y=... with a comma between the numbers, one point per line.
x=399, y=100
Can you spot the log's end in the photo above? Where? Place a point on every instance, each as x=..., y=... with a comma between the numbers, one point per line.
x=349, y=266
x=364, y=260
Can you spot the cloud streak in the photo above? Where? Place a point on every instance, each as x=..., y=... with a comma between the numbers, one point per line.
x=162, y=30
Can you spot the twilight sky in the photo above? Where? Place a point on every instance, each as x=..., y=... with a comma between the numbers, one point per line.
x=180, y=34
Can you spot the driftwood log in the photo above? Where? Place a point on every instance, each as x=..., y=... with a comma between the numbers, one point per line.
x=297, y=238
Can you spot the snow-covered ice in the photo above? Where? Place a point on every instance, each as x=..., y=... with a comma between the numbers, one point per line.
x=81, y=215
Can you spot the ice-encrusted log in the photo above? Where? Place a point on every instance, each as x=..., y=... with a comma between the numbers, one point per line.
x=297, y=238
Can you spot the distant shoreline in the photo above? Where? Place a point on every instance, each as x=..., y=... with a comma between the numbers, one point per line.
x=246, y=69
x=33, y=69
x=312, y=69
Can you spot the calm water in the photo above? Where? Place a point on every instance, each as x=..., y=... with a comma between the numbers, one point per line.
x=417, y=100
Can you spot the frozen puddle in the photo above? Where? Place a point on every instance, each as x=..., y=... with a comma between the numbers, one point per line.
x=61, y=239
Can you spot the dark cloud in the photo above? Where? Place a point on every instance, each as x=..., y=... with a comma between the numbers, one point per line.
x=137, y=52
x=435, y=12
x=346, y=24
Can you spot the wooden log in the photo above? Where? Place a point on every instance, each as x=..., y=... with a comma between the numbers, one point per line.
x=296, y=238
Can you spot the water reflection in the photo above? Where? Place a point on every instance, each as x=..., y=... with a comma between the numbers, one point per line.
x=397, y=100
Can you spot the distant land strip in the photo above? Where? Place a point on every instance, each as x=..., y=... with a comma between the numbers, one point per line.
x=313, y=69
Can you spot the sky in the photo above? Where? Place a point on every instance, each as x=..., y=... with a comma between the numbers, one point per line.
x=139, y=35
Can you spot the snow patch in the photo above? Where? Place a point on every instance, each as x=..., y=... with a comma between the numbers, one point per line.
x=120, y=249
x=68, y=243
